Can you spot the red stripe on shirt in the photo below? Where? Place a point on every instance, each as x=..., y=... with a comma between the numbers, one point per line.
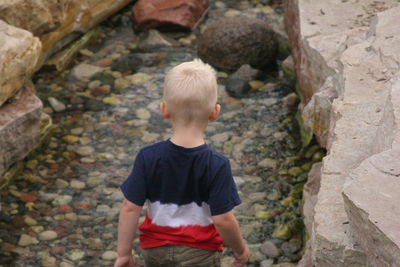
x=204, y=237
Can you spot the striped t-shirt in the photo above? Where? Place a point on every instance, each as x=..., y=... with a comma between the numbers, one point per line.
x=184, y=187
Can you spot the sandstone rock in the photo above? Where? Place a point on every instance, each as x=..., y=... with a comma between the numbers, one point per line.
x=19, y=128
x=168, y=14
x=331, y=48
x=310, y=192
x=37, y=16
x=84, y=71
x=19, y=53
x=78, y=16
x=237, y=84
x=229, y=43
x=317, y=112
x=372, y=219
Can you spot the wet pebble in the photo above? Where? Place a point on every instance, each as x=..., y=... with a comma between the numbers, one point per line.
x=270, y=249
x=109, y=255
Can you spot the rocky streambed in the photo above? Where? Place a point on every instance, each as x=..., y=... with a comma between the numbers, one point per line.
x=62, y=210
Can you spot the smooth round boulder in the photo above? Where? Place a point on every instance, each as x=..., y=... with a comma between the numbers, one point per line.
x=230, y=42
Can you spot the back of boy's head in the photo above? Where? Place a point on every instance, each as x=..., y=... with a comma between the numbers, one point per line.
x=190, y=92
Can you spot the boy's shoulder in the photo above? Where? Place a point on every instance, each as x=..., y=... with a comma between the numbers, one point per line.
x=156, y=149
x=152, y=148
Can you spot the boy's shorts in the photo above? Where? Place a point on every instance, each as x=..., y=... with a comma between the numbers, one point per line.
x=180, y=256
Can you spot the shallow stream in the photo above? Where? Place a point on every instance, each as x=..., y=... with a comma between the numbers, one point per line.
x=63, y=209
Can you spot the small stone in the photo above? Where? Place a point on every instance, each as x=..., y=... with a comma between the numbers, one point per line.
x=290, y=100
x=262, y=214
x=70, y=139
x=282, y=232
x=71, y=216
x=290, y=248
x=101, y=91
x=274, y=195
x=85, y=150
x=267, y=263
x=121, y=83
x=29, y=221
x=143, y=114
x=31, y=164
x=139, y=78
x=57, y=105
x=102, y=209
x=49, y=262
x=86, y=52
x=221, y=137
x=268, y=163
x=95, y=243
x=77, y=184
x=111, y=100
x=62, y=200
x=270, y=249
x=93, y=181
x=104, y=62
x=37, y=229
x=294, y=171
x=76, y=255
x=288, y=201
x=60, y=183
x=84, y=71
x=77, y=131
x=150, y=137
x=85, y=140
x=94, y=84
x=26, y=240
x=109, y=255
x=222, y=75
x=66, y=264
x=256, y=84
x=47, y=235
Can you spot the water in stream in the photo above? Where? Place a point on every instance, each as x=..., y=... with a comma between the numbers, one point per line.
x=63, y=209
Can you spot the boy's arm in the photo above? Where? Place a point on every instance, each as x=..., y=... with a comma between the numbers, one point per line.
x=228, y=227
x=127, y=225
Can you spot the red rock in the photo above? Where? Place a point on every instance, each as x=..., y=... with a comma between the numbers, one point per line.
x=168, y=14
x=65, y=209
x=7, y=247
x=58, y=250
x=83, y=205
x=28, y=198
x=105, y=62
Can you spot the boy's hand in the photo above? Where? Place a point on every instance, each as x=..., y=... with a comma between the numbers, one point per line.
x=126, y=261
x=241, y=258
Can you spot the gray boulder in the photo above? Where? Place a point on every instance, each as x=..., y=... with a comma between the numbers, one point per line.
x=237, y=84
x=229, y=43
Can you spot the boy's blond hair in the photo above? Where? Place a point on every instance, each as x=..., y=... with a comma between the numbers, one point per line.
x=190, y=92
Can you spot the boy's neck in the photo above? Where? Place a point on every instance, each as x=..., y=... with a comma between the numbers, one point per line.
x=188, y=136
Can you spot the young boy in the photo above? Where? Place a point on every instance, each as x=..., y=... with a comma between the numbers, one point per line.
x=189, y=188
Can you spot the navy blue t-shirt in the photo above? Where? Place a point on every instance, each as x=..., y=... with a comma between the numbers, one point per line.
x=170, y=174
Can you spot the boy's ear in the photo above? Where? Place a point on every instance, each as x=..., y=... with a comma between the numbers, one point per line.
x=163, y=110
x=214, y=114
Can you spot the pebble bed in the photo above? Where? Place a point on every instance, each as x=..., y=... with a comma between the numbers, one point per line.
x=62, y=210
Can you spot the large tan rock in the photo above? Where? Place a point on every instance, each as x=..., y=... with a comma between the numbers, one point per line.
x=19, y=127
x=37, y=16
x=57, y=22
x=19, y=53
x=372, y=200
x=344, y=70
x=79, y=17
